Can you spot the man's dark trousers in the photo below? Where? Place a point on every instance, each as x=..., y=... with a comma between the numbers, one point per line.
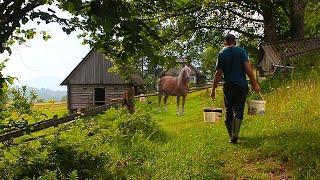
x=234, y=98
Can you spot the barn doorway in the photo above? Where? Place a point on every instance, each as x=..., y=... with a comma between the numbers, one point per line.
x=99, y=96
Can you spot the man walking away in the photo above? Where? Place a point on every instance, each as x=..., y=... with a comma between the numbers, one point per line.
x=234, y=64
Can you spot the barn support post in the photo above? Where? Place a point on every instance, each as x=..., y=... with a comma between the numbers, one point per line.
x=69, y=98
x=285, y=67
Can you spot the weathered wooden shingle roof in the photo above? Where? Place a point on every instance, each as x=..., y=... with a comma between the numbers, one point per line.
x=137, y=80
x=286, y=49
x=275, y=54
x=93, y=69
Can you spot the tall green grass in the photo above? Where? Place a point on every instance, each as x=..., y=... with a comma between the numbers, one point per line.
x=284, y=143
x=153, y=144
x=281, y=144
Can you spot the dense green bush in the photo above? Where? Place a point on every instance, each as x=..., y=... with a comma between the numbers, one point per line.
x=78, y=157
x=141, y=124
x=16, y=109
x=114, y=144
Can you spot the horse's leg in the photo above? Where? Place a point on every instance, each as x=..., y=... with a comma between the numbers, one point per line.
x=165, y=102
x=159, y=101
x=178, y=101
x=183, y=102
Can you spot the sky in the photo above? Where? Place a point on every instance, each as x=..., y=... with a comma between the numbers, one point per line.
x=45, y=64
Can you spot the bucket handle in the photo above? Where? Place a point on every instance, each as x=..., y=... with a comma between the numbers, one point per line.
x=261, y=96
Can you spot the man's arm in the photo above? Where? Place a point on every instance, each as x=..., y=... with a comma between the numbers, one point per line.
x=216, y=80
x=248, y=70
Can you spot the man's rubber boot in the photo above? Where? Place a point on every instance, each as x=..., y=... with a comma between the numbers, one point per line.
x=229, y=128
x=236, y=123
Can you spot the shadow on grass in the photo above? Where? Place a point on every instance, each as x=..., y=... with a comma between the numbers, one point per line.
x=298, y=149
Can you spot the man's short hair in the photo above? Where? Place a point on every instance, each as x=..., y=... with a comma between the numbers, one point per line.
x=230, y=38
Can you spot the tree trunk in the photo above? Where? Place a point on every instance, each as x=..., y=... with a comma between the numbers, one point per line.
x=270, y=31
x=297, y=8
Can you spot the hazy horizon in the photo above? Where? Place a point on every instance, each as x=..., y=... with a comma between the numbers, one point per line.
x=45, y=64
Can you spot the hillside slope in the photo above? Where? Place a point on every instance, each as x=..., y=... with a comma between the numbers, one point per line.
x=282, y=144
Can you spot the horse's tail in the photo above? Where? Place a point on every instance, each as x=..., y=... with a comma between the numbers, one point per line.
x=160, y=83
x=157, y=86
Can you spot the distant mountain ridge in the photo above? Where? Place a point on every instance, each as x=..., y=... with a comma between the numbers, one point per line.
x=48, y=94
x=47, y=82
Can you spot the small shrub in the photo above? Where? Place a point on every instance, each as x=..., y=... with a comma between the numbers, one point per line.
x=70, y=157
x=139, y=123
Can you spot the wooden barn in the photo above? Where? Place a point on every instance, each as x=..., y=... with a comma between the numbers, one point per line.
x=90, y=84
x=196, y=76
x=277, y=55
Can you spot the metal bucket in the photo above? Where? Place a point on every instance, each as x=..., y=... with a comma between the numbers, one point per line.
x=212, y=114
x=256, y=107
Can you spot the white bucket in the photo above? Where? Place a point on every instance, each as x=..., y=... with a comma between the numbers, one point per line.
x=256, y=107
x=212, y=114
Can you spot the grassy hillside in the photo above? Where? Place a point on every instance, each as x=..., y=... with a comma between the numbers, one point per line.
x=152, y=144
x=284, y=143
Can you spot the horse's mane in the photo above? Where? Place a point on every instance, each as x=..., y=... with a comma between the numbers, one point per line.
x=183, y=74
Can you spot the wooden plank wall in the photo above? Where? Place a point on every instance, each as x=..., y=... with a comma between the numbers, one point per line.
x=271, y=57
x=114, y=92
x=82, y=96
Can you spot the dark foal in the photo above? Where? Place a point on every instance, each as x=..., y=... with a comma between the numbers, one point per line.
x=128, y=99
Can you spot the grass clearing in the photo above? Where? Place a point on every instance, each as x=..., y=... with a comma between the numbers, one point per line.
x=282, y=144
x=51, y=109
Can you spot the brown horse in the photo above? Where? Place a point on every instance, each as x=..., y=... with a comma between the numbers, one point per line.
x=175, y=86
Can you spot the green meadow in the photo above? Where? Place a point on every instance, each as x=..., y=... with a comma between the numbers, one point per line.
x=283, y=143
x=153, y=144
